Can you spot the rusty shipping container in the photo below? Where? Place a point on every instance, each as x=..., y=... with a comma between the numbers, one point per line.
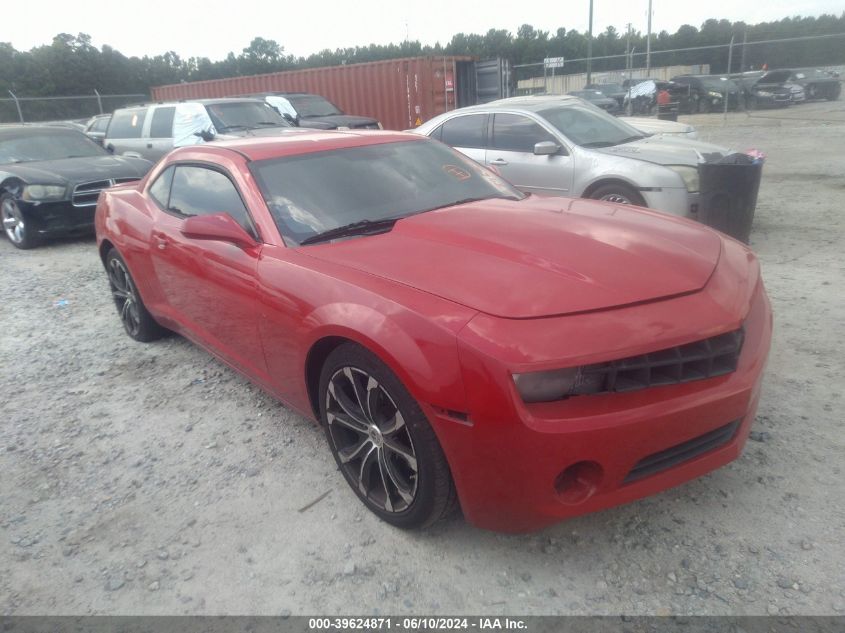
x=400, y=93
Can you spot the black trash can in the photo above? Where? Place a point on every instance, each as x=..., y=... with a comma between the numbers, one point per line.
x=667, y=112
x=728, y=194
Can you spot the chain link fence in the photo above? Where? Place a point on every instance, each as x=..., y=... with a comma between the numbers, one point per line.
x=733, y=56
x=22, y=109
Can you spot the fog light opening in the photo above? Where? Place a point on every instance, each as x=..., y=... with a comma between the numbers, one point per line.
x=578, y=482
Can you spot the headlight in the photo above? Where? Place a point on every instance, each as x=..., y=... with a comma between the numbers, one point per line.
x=688, y=174
x=34, y=193
x=557, y=384
x=764, y=93
x=715, y=95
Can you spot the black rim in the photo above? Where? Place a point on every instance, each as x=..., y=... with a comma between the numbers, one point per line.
x=371, y=439
x=125, y=296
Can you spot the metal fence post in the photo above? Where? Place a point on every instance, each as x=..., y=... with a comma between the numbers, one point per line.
x=18, y=104
x=727, y=92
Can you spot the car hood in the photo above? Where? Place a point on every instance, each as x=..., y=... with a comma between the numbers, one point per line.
x=76, y=170
x=658, y=126
x=774, y=77
x=536, y=257
x=335, y=121
x=260, y=131
x=667, y=150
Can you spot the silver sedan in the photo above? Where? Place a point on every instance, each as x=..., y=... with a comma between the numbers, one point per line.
x=566, y=147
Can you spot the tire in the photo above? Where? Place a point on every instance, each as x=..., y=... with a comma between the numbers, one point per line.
x=619, y=194
x=385, y=448
x=13, y=224
x=137, y=321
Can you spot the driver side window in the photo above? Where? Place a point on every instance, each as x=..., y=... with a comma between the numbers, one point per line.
x=516, y=133
x=200, y=190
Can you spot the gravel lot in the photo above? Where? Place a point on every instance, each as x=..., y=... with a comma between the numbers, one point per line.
x=150, y=479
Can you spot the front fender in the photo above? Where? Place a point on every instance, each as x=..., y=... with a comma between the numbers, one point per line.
x=422, y=355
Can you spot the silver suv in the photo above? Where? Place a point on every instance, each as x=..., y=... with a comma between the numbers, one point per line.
x=151, y=130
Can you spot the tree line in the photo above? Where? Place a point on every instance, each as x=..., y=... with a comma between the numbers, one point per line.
x=72, y=65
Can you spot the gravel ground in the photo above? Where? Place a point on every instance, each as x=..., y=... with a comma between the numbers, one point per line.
x=150, y=479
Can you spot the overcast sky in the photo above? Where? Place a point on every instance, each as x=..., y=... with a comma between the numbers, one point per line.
x=212, y=28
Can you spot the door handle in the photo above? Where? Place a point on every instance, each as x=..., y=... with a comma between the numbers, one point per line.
x=499, y=161
x=149, y=145
x=160, y=241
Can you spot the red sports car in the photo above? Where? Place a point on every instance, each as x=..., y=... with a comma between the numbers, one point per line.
x=532, y=358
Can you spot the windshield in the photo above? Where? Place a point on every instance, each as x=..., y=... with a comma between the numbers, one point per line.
x=313, y=105
x=718, y=84
x=28, y=145
x=244, y=114
x=592, y=95
x=312, y=193
x=610, y=88
x=590, y=127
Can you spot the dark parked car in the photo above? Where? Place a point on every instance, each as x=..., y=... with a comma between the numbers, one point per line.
x=96, y=127
x=706, y=93
x=313, y=111
x=598, y=99
x=612, y=90
x=50, y=178
x=762, y=89
x=817, y=83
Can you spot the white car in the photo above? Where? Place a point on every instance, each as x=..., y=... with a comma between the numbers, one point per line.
x=563, y=146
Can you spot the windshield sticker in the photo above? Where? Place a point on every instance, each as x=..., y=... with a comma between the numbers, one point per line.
x=456, y=172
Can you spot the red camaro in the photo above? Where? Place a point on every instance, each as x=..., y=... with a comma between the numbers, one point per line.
x=532, y=358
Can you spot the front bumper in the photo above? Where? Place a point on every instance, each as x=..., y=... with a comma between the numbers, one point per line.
x=674, y=200
x=521, y=467
x=57, y=218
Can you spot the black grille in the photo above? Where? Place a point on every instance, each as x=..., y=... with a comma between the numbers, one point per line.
x=85, y=194
x=682, y=452
x=707, y=358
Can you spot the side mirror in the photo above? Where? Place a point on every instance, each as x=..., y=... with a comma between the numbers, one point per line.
x=546, y=148
x=109, y=147
x=218, y=226
x=205, y=135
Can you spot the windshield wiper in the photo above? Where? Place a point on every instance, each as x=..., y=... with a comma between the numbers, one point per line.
x=273, y=123
x=362, y=227
x=598, y=144
x=233, y=127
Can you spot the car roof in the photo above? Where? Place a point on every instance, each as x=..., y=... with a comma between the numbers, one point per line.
x=268, y=147
x=202, y=101
x=532, y=102
x=28, y=129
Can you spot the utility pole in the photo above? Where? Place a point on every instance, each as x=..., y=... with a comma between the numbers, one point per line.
x=628, y=48
x=590, y=46
x=648, y=43
x=742, y=59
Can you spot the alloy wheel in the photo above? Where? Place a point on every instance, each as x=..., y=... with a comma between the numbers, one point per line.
x=13, y=222
x=371, y=439
x=616, y=198
x=125, y=296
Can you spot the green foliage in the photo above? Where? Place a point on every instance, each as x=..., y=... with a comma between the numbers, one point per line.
x=71, y=65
